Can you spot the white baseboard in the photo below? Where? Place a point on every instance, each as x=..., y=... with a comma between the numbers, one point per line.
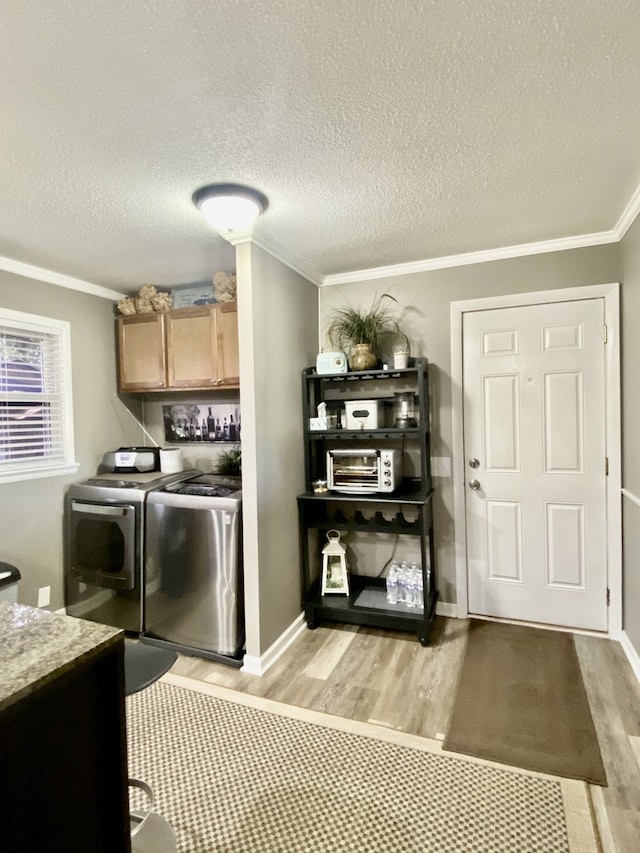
x=253, y=665
x=632, y=655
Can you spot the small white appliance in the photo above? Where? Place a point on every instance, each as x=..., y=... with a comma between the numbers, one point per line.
x=331, y=362
x=130, y=460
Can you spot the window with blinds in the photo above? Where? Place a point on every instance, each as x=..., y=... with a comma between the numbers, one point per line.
x=36, y=431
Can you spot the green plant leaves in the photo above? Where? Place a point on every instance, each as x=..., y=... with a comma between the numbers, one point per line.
x=351, y=325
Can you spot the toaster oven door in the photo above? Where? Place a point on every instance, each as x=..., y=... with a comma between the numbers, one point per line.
x=354, y=472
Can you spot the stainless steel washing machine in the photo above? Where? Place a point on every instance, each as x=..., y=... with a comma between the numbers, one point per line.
x=194, y=593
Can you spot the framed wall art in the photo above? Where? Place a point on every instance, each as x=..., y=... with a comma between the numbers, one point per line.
x=211, y=422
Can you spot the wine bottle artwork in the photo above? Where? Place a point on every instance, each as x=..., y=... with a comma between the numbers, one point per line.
x=202, y=422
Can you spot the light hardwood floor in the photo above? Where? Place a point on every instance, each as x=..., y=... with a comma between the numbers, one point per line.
x=388, y=678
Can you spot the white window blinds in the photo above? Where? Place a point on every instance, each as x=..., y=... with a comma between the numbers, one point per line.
x=36, y=433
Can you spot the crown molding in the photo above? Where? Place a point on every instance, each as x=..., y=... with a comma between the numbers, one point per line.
x=51, y=277
x=237, y=237
x=288, y=259
x=558, y=245
x=628, y=215
x=274, y=249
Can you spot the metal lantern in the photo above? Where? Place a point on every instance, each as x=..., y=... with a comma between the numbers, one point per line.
x=334, y=565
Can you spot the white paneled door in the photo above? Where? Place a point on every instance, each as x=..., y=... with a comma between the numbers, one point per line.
x=535, y=463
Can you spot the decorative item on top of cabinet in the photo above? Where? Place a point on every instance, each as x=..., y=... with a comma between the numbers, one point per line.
x=187, y=348
x=186, y=296
x=364, y=333
x=225, y=287
x=149, y=299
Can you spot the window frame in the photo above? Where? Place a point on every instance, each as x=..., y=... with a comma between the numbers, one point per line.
x=34, y=325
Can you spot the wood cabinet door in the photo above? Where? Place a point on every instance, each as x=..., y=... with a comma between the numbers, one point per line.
x=192, y=347
x=227, y=343
x=141, y=351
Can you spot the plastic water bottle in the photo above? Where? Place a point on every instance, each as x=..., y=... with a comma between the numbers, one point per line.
x=402, y=584
x=392, y=584
x=411, y=587
x=419, y=587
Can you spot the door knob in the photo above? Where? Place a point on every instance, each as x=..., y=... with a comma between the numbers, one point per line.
x=474, y=484
x=474, y=463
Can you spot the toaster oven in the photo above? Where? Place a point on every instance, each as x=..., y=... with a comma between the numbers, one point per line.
x=363, y=471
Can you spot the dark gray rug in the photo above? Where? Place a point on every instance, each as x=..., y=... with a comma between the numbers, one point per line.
x=521, y=700
x=234, y=773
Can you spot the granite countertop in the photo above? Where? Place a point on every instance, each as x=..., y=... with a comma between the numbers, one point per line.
x=37, y=646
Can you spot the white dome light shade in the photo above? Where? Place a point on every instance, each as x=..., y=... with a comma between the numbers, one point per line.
x=230, y=207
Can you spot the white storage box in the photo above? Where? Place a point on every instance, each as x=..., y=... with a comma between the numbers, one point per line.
x=364, y=414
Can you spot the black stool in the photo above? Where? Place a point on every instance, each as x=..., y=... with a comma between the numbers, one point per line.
x=144, y=664
x=150, y=833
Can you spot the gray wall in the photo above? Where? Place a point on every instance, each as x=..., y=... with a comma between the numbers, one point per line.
x=31, y=511
x=427, y=320
x=630, y=431
x=278, y=312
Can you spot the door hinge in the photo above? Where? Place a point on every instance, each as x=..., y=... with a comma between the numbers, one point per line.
x=606, y=466
x=604, y=330
x=608, y=597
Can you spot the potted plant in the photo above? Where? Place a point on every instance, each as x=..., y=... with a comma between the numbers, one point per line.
x=229, y=462
x=361, y=332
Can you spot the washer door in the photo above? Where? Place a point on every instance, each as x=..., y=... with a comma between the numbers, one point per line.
x=102, y=543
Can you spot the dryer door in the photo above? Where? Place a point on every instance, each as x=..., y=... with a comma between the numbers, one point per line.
x=102, y=543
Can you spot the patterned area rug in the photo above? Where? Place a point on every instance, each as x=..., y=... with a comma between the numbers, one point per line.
x=234, y=774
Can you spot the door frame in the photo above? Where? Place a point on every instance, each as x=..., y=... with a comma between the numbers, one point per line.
x=610, y=293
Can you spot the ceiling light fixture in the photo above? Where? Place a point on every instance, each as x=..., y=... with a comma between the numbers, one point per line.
x=230, y=207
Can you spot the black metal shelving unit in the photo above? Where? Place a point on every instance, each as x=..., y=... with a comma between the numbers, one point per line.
x=406, y=511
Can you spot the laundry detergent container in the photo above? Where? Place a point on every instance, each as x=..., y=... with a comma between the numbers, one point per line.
x=9, y=577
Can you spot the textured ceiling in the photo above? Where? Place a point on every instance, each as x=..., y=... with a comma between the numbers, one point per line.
x=382, y=132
